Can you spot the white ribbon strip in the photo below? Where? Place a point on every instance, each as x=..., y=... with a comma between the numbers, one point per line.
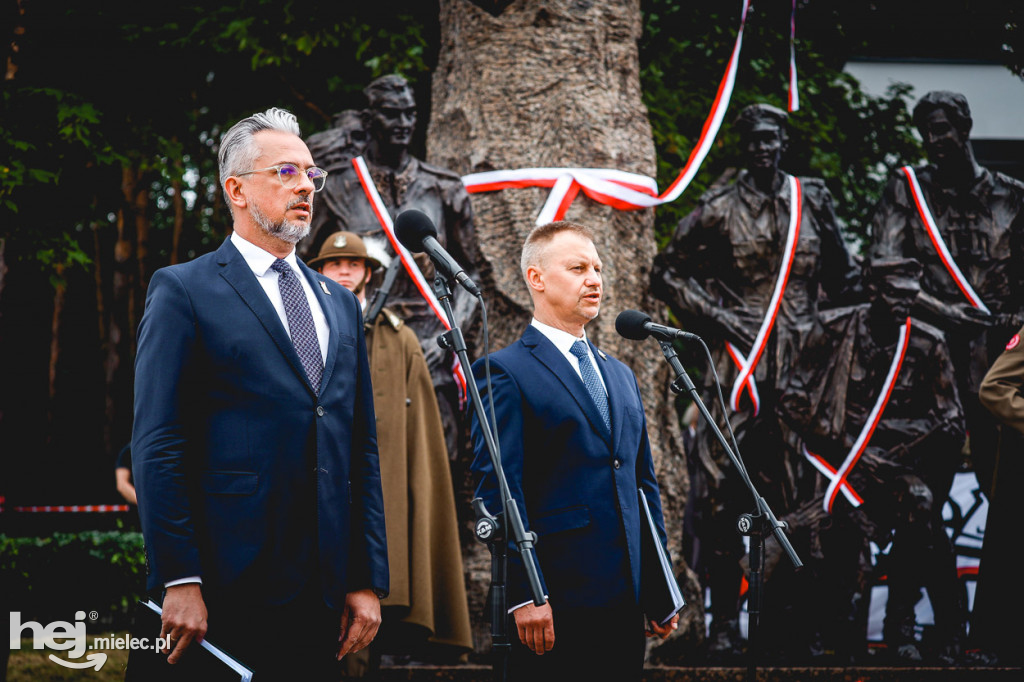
x=747, y=364
x=408, y=261
x=873, y=418
x=939, y=244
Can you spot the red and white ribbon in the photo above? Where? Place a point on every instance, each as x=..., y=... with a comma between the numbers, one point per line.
x=822, y=465
x=794, y=92
x=621, y=190
x=939, y=244
x=837, y=478
x=381, y=211
x=747, y=364
x=74, y=508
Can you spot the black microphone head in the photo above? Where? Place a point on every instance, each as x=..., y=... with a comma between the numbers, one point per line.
x=630, y=324
x=412, y=227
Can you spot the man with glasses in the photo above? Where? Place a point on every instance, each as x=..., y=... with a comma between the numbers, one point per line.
x=254, y=445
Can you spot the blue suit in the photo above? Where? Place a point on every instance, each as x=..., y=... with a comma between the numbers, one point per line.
x=245, y=476
x=575, y=483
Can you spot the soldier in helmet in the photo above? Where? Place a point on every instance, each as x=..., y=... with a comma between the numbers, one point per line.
x=406, y=182
x=427, y=613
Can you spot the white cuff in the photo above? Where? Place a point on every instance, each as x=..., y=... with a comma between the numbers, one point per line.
x=519, y=606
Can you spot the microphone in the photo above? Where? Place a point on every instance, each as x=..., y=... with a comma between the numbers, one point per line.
x=637, y=326
x=417, y=233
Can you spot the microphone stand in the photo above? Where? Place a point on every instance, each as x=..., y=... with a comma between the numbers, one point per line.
x=492, y=530
x=757, y=525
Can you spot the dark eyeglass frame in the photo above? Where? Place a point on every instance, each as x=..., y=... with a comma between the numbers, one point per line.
x=318, y=176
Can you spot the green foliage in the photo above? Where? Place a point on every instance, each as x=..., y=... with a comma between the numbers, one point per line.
x=101, y=87
x=840, y=134
x=49, y=578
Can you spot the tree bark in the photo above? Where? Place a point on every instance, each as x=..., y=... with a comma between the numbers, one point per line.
x=555, y=83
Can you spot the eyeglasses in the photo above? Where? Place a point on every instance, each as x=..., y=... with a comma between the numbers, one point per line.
x=289, y=174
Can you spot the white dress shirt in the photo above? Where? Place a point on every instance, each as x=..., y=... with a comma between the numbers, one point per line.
x=260, y=261
x=563, y=342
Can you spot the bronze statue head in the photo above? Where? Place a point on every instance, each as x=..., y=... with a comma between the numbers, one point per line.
x=944, y=120
x=390, y=118
x=893, y=284
x=335, y=147
x=763, y=137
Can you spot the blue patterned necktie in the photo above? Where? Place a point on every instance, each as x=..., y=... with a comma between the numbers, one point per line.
x=300, y=323
x=592, y=381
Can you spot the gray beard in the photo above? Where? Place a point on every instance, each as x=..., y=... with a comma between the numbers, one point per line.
x=282, y=229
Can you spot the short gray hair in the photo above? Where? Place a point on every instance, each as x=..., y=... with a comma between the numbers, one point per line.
x=541, y=236
x=238, y=152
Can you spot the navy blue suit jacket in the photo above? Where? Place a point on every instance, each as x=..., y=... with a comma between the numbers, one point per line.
x=575, y=483
x=245, y=476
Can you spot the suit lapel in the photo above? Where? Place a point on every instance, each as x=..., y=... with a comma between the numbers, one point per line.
x=557, y=363
x=239, y=275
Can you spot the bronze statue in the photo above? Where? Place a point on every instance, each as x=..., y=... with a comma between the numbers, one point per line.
x=873, y=398
x=405, y=182
x=718, y=275
x=978, y=218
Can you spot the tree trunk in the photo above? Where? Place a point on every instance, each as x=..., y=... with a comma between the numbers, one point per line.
x=556, y=83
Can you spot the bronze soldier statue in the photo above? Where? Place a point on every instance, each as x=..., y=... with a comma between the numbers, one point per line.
x=973, y=282
x=335, y=147
x=976, y=252
x=874, y=401
x=405, y=182
x=767, y=233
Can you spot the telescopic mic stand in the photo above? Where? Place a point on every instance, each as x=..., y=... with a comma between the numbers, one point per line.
x=490, y=529
x=757, y=525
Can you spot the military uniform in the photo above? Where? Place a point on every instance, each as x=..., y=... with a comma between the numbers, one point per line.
x=997, y=603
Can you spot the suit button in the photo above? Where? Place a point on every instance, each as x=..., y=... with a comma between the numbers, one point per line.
x=319, y=410
x=618, y=463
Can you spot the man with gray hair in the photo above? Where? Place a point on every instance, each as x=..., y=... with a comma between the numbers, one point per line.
x=254, y=445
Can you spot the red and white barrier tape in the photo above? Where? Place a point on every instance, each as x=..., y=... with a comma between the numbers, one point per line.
x=74, y=508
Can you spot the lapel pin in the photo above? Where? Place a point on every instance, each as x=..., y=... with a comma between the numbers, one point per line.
x=601, y=353
x=323, y=285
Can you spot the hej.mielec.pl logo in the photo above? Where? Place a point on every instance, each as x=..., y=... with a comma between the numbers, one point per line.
x=71, y=636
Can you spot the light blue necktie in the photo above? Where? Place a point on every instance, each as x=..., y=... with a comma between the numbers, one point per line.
x=592, y=381
x=300, y=323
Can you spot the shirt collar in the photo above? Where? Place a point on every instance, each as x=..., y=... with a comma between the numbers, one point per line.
x=258, y=259
x=563, y=340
